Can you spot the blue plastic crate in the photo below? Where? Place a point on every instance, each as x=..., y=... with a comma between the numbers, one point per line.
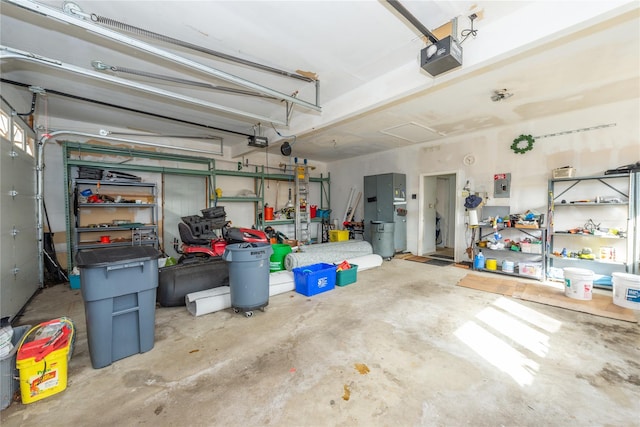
x=314, y=279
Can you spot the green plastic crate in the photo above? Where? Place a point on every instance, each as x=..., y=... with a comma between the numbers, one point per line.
x=347, y=277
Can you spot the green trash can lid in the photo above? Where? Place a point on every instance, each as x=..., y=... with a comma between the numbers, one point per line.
x=102, y=257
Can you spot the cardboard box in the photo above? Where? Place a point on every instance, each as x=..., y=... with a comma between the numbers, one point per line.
x=291, y=242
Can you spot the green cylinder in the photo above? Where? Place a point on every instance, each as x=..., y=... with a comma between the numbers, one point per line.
x=276, y=261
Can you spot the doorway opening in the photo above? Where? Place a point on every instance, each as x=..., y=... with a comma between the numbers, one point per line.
x=437, y=237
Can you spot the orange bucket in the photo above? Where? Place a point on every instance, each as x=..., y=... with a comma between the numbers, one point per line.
x=268, y=213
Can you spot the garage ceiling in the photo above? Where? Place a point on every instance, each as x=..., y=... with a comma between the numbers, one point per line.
x=370, y=90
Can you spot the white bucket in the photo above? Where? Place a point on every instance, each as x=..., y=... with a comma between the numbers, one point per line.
x=578, y=283
x=626, y=290
x=508, y=266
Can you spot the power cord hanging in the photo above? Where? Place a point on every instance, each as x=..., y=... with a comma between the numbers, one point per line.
x=469, y=31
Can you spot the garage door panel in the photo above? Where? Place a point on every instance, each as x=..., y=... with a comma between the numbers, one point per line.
x=19, y=254
x=24, y=188
x=21, y=203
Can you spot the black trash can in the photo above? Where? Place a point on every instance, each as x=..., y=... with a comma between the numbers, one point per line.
x=248, y=275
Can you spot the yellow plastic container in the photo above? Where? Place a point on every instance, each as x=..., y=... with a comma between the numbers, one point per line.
x=43, y=358
x=338, y=235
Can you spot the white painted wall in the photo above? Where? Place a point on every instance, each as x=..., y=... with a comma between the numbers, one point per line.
x=591, y=153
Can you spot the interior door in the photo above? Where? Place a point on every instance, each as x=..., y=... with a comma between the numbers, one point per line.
x=183, y=195
x=428, y=210
x=18, y=232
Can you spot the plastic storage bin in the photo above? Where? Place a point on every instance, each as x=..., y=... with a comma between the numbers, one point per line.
x=276, y=261
x=43, y=358
x=347, y=277
x=533, y=269
x=314, y=279
x=531, y=248
x=338, y=235
x=119, y=291
x=8, y=371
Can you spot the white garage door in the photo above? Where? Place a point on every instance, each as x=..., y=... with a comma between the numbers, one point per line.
x=18, y=232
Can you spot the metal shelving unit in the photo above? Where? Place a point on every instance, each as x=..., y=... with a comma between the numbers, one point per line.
x=134, y=234
x=259, y=177
x=583, y=214
x=76, y=154
x=538, y=234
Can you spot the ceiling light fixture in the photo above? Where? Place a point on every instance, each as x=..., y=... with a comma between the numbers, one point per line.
x=500, y=94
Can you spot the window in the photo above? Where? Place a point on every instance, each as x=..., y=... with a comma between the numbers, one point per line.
x=18, y=136
x=4, y=125
x=30, y=146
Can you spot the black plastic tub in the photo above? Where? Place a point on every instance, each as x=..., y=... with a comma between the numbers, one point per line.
x=177, y=281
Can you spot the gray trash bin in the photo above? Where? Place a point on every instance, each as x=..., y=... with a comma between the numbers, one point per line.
x=119, y=292
x=382, y=238
x=9, y=374
x=248, y=275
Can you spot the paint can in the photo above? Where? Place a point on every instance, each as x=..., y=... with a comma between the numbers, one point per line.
x=626, y=290
x=578, y=283
x=508, y=266
x=492, y=264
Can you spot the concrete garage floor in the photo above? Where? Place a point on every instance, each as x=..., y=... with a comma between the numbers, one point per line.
x=403, y=346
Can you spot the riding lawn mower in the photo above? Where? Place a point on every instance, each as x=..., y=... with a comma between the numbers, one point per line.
x=208, y=235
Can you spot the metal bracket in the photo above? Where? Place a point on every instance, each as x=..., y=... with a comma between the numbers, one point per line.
x=15, y=270
x=13, y=193
x=13, y=153
x=14, y=231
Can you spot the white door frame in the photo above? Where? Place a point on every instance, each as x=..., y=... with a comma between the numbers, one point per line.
x=421, y=209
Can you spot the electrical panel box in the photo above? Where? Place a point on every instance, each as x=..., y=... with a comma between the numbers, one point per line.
x=502, y=185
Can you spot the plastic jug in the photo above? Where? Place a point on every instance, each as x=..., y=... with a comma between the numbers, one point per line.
x=478, y=261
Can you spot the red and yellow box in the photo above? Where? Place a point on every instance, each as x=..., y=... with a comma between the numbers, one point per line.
x=42, y=359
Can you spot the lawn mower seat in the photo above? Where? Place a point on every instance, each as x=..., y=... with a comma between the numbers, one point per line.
x=188, y=238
